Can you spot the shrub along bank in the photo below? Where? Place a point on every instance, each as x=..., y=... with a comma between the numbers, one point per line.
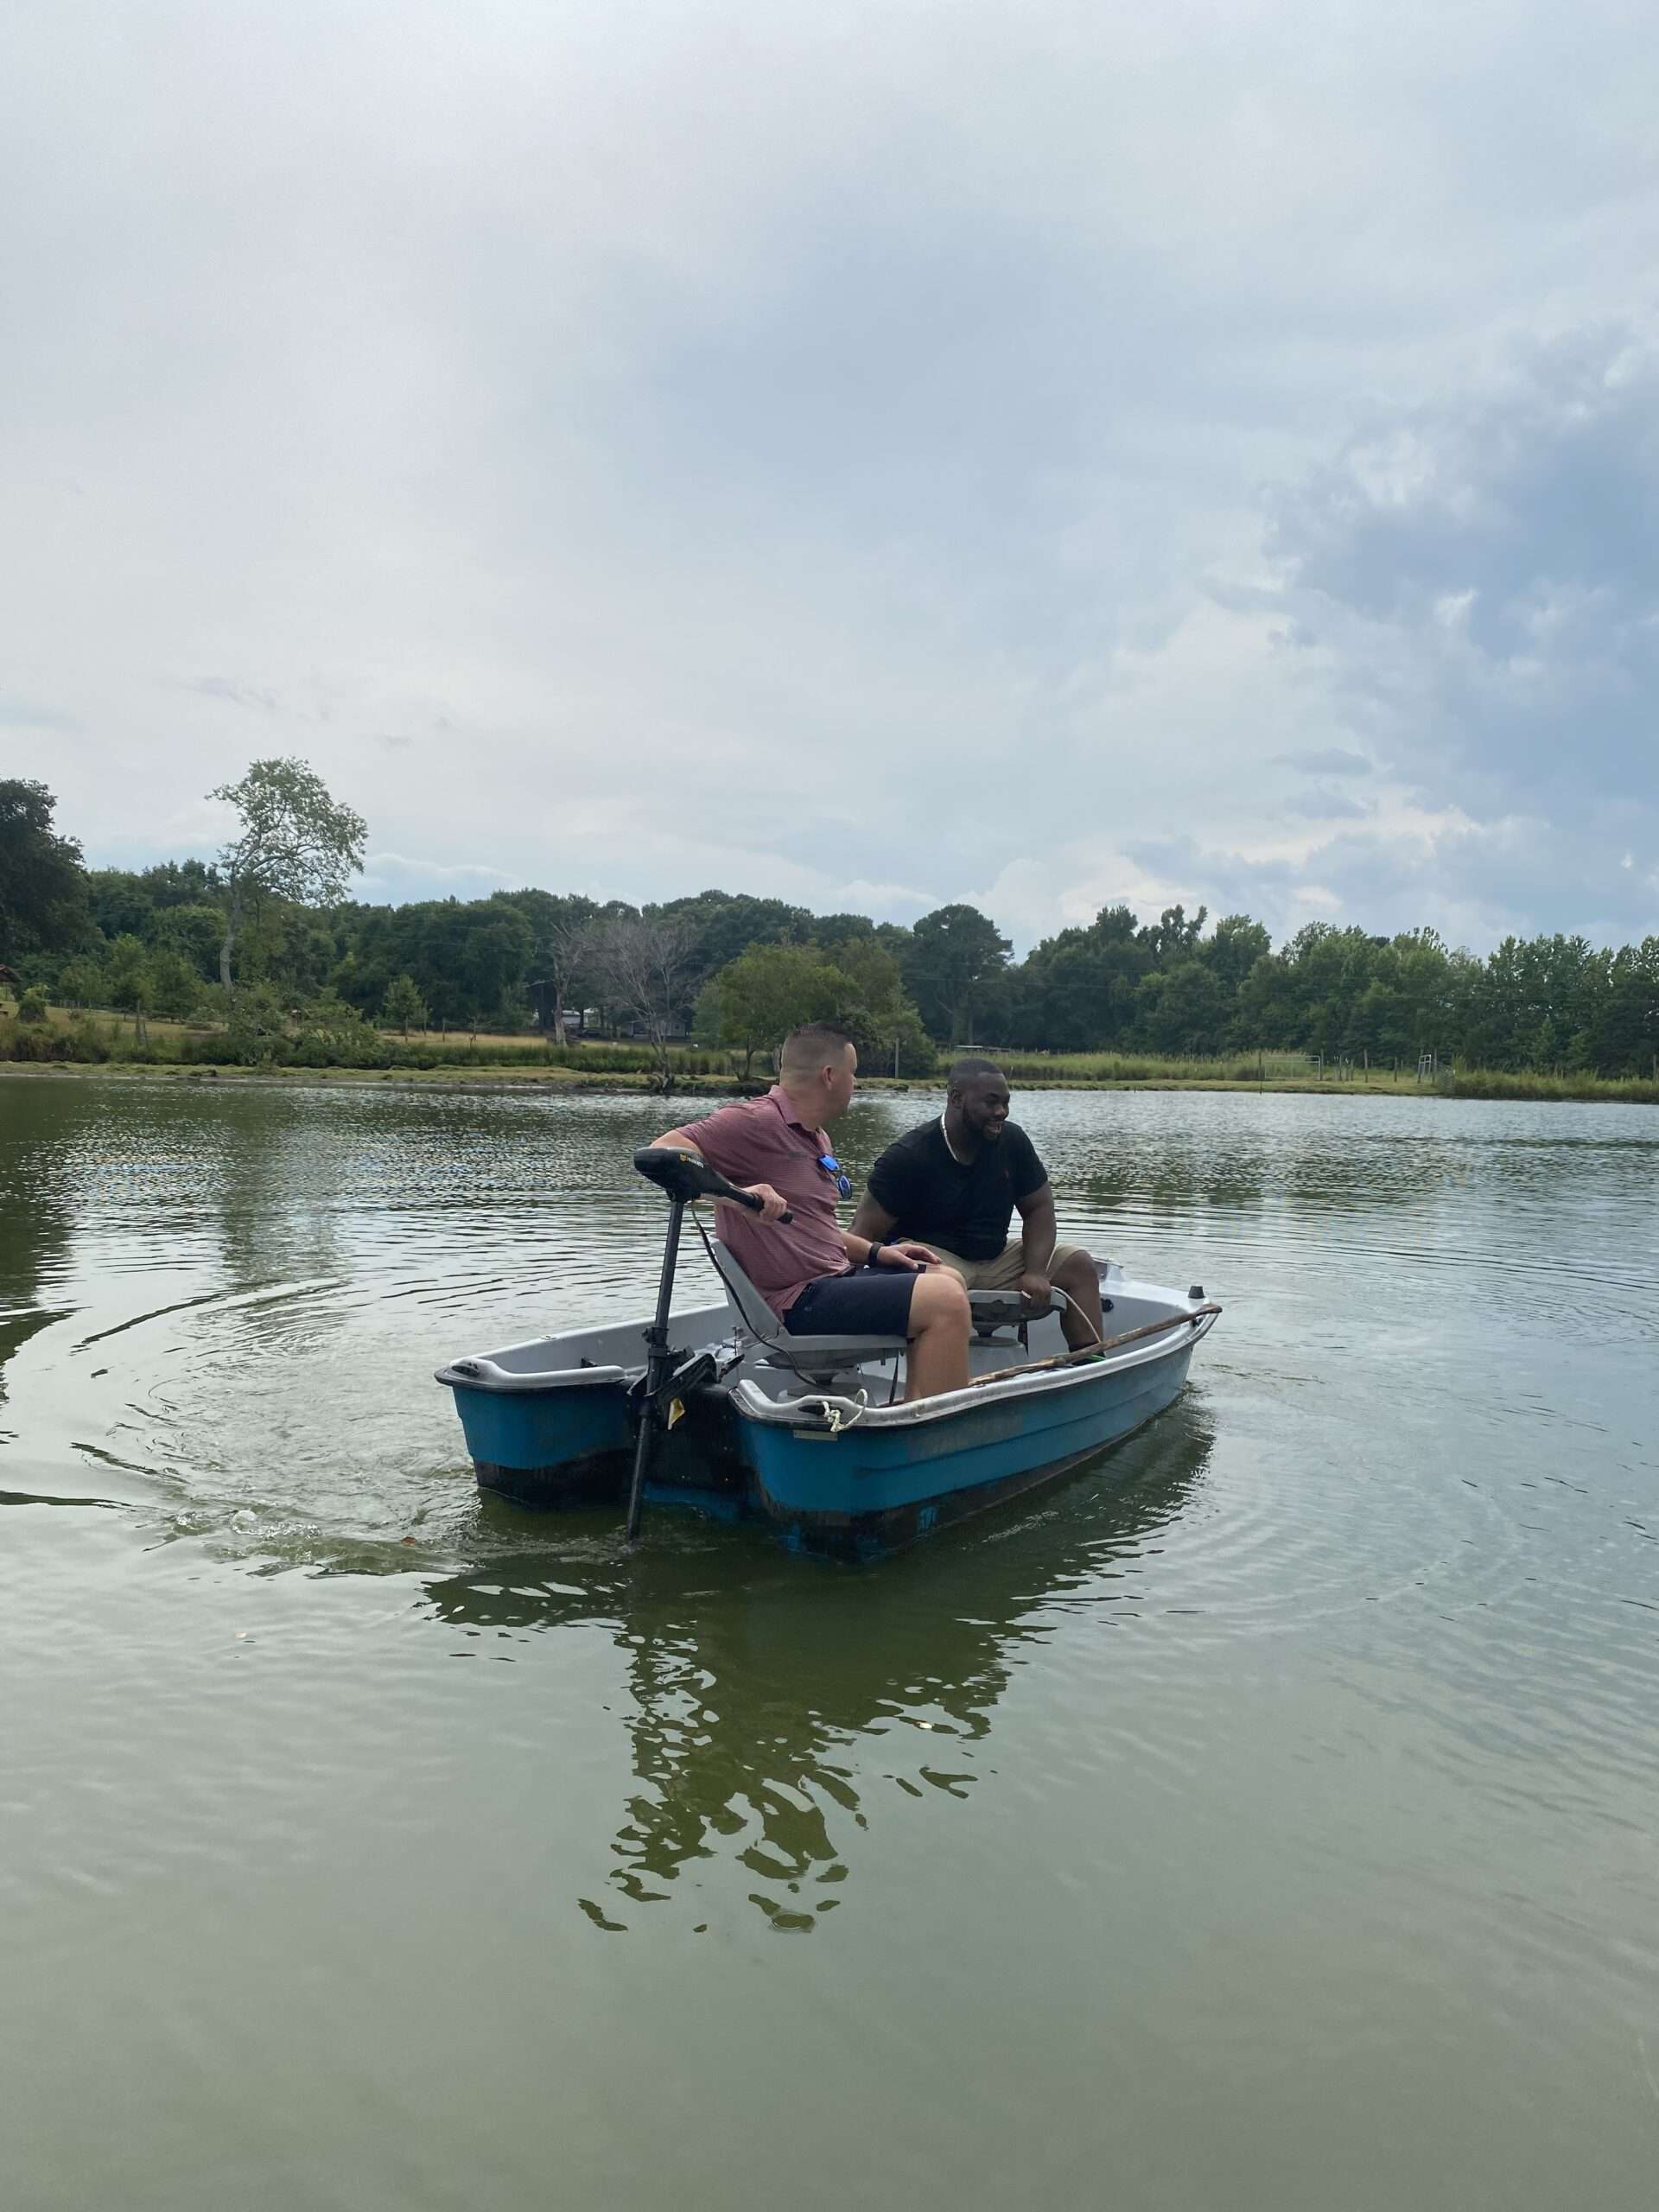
x=88, y=1039
x=353, y=1046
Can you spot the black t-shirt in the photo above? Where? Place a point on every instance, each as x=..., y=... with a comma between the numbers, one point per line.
x=965, y=1208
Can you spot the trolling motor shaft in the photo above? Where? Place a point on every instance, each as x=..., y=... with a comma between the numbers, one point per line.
x=685, y=1179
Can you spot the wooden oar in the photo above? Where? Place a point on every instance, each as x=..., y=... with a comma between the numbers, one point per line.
x=1093, y=1352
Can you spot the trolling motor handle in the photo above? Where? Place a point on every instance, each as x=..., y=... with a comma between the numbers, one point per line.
x=686, y=1178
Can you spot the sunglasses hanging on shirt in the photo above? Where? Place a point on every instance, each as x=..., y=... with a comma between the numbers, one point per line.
x=837, y=1174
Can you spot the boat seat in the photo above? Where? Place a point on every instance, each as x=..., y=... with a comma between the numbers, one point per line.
x=819, y=1358
x=816, y=1357
x=1005, y=1309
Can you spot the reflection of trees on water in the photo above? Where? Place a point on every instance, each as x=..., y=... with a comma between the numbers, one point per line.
x=272, y=1184
x=759, y=1682
x=35, y=1221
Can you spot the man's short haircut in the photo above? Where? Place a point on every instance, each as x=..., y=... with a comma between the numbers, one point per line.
x=807, y=1050
x=970, y=1070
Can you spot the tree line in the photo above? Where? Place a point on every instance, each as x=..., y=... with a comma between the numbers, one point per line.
x=263, y=935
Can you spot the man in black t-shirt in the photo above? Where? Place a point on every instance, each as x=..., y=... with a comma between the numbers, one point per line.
x=954, y=1183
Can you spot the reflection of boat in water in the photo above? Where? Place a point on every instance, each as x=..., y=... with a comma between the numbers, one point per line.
x=812, y=1433
x=771, y=1710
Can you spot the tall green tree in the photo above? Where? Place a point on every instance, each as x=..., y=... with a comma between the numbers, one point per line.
x=884, y=1025
x=131, y=985
x=293, y=842
x=42, y=883
x=1181, y=1009
x=722, y=924
x=1173, y=935
x=122, y=905
x=81, y=982
x=1076, y=993
x=1233, y=949
x=175, y=988
x=1623, y=1035
x=191, y=930
x=953, y=952
x=404, y=1005
x=771, y=989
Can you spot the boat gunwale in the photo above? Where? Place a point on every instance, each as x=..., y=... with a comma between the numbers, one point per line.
x=477, y=1372
x=809, y=1410
x=751, y=1403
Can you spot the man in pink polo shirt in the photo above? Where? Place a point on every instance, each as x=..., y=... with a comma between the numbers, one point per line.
x=817, y=1277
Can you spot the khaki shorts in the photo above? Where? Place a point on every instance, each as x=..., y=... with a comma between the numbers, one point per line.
x=1003, y=1269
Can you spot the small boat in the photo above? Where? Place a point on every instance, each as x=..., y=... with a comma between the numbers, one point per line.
x=722, y=1410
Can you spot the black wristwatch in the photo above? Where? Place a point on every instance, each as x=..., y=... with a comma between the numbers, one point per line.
x=876, y=1242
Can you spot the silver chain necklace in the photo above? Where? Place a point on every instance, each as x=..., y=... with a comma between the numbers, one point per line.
x=950, y=1147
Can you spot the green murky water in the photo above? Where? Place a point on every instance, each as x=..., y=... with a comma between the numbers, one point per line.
x=1265, y=1817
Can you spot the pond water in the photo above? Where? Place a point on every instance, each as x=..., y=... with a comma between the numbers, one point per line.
x=1265, y=1816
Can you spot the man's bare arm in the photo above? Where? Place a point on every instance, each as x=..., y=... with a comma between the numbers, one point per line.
x=1039, y=1230
x=872, y=1224
x=873, y=1219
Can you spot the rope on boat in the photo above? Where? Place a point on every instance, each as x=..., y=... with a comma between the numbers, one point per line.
x=839, y=1412
x=1072, y=1306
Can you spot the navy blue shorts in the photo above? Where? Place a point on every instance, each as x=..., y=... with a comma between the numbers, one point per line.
x=868, y=1302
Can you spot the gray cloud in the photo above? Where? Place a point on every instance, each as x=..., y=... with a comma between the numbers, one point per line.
x=393, y=877
x=1481, y=576
x=1325, y=806
x=238, y=695
x=29, y=714
x=808, y=449
x=1328, y=761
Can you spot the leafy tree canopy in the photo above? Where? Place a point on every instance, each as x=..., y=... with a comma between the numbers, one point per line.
x=404, y=1008
x=953, y=952
x=771, y=989
x=150, y=938
x=293, y=842
x=42, y=885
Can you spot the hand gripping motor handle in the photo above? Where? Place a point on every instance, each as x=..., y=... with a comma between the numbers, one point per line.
x=681, y=1175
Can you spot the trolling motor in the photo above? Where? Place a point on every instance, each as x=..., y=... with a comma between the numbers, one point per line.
x=685, y=1179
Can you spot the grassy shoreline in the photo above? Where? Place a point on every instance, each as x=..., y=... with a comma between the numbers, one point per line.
x=487, y=1061
x=1475, y=1084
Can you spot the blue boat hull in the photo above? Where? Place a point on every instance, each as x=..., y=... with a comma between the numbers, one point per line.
x=869, y=1491
x=551, y=1424
x=565, y=1448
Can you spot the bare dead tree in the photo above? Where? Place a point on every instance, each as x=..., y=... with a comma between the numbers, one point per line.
x=642, y=964
x=568, y=956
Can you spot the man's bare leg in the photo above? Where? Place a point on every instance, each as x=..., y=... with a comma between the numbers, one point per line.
x=941, y=1320
x=1081, y=1319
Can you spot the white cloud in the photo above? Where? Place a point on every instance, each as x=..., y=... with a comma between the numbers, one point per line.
x=819, y=451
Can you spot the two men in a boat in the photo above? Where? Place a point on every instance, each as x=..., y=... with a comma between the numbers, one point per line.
x=821, y=1280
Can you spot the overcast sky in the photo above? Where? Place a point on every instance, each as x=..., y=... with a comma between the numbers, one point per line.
x=1044, y=453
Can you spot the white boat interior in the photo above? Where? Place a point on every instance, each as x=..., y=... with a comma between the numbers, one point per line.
x=776, y=1375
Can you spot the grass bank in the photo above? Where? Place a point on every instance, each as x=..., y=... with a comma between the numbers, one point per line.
x=1502, y=1083
x=1297, y=1072
x=512, y=1067
x=88, y=1043
x=102, y=1039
